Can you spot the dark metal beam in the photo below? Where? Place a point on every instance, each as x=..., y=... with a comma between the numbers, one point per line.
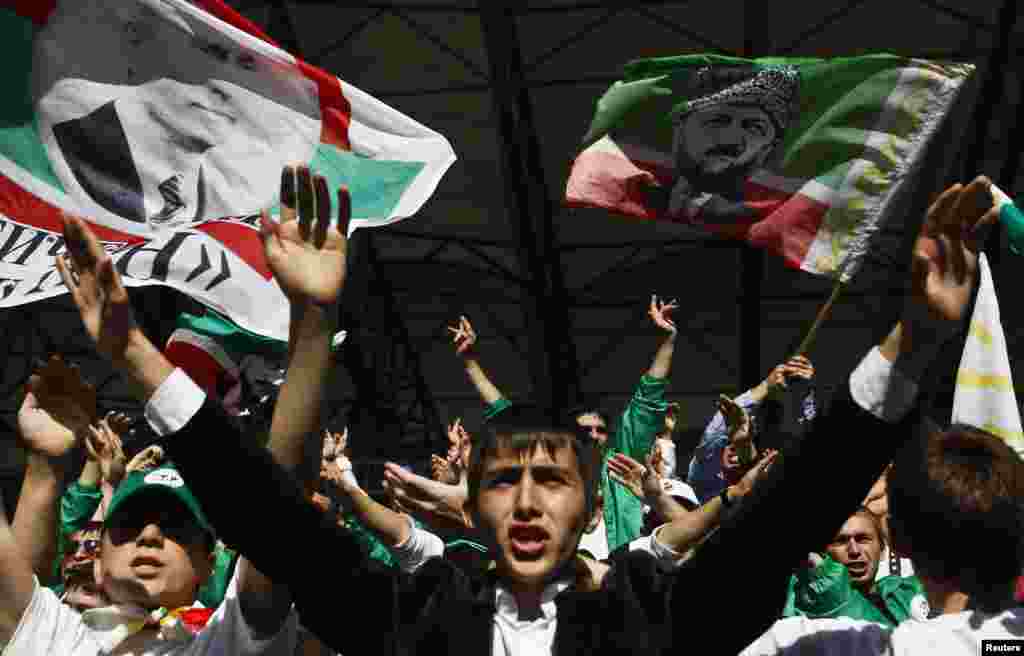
x=992, y=89
x=751, y=264
x=553, y=365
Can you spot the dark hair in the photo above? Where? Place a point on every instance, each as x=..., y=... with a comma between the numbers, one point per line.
x=525, y=428
x=955, y=501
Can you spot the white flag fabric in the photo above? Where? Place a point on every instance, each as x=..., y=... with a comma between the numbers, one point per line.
x=984, y=396
x=166, y=124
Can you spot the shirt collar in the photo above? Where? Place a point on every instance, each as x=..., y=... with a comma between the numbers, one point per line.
x=508, y=609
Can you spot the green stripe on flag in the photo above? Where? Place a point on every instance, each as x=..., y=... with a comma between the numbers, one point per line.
x=19, y=132
x=375, y=185
x=235, y=340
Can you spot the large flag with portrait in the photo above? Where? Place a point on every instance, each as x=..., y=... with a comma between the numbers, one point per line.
x=166, y=123
x=800, y=156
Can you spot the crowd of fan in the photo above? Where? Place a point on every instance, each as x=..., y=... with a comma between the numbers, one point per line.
x=860, y=527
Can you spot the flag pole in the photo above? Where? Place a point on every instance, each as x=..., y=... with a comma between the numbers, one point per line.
x=823, y=313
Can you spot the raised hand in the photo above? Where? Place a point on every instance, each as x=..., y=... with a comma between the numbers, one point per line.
x=654, y=483
x=322, y=503
x=329, y=449
x=796, y=367
x=96, y=289
x=149, y=458
x=441, y=470
x=414, y=492
x=737, y=420
x=464, y=337
x=746, y=484
x=58, y=407
x=118, y=422
x=105, y=448
x=307, y=255
x=459, y=445
x=659, y=312
x=628, y=472
x=945, y=260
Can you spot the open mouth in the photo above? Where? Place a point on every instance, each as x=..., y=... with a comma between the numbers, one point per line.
x=145, y=564
x=528, y=541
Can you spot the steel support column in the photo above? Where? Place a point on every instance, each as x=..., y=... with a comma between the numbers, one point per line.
x=552, y=353
x=751, y=270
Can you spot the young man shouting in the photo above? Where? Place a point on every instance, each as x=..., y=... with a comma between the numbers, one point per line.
x=533, y=493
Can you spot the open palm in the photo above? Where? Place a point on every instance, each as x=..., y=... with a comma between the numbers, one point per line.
x=58, y=406
x=305, y=253
x=945, y=262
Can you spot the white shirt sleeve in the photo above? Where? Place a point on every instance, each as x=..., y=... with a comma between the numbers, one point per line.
x=227, y=632
x=662, y=552
x=49, y=627
x=879, y=387
x=418, y=548
x=174, y=403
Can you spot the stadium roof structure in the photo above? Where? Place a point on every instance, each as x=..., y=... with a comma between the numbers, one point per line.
x=557, y=295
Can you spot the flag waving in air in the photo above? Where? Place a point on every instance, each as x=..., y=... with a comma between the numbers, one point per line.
x=166, y=124
x=984, y=396
x=800, y=156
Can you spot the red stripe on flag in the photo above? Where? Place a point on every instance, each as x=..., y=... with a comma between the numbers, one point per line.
x=791, y=223
x=36, y=11
x=335, y=110
x=200, y=366
x=231, y=17
x=241, y=240
x=28, y=209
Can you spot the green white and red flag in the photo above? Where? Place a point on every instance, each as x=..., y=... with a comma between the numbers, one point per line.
x=166, y=123
x=800, y=156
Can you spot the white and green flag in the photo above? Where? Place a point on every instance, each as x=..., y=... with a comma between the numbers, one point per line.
x=166, y=123
x=801, y=156
x=984, y=396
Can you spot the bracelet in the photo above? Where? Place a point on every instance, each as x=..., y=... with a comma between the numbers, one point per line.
x=726, y=501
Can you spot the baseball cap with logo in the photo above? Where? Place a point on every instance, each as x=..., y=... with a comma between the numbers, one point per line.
x=164, y=479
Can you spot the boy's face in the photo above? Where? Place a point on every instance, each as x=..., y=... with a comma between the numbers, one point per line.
x=531, y=507
x=153, y=553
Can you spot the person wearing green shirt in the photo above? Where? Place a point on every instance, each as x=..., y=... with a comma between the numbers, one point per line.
x=639, y=424
x=843, y=583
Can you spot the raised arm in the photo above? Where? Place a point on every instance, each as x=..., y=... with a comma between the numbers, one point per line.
x=659, y=312
x=58, y=405
x=294, y=436
x=199, y=438
x=464, y=339
x=826, y=484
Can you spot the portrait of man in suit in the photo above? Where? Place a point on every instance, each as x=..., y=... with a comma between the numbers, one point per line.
x=150, y=116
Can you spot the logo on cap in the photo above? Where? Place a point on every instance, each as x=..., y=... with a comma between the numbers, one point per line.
x=166, y=477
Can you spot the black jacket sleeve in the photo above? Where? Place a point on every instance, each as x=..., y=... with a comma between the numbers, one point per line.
x=738, y=578
x=258, y=508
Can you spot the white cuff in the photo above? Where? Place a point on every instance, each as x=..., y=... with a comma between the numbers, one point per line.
x=418, y=548
x=878, y=386
x=174, y=403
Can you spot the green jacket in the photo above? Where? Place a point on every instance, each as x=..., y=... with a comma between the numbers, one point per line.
x=641, y=421
x=826, y=591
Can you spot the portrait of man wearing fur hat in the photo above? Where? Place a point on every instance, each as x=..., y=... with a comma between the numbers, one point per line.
x=731, y=127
